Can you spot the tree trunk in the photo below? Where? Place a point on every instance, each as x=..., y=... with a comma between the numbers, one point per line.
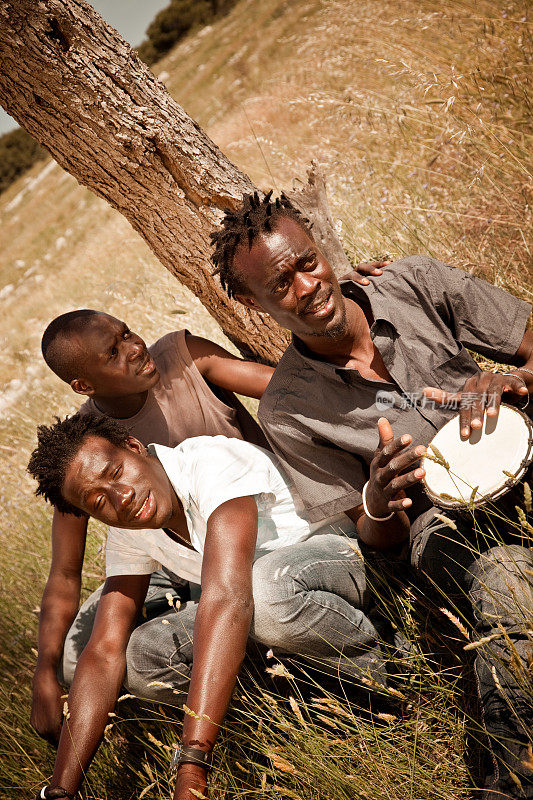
x=72, y=82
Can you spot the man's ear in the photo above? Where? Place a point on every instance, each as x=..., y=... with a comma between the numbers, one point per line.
x=249, y=302
x=134, y=444
x=80, y=386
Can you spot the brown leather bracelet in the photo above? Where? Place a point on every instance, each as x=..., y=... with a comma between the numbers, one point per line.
x=184, y=754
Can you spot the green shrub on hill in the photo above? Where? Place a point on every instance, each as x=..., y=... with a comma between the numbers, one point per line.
x=18, y=152
x=175, y=21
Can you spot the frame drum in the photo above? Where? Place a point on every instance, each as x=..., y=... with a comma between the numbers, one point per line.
x=464, y=474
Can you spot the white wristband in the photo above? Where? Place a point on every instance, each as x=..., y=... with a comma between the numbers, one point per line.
x=367, y=512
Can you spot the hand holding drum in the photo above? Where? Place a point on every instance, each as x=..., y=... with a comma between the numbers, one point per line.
x=481, y=393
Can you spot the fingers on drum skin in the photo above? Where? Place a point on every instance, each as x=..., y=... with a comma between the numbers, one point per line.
x=519, y=386
x=474, y=396
x=480, y=392
x=494, y=398
x=498, y=386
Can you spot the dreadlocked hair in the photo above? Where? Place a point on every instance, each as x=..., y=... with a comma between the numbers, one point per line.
x=255, y=216
x=57, y=445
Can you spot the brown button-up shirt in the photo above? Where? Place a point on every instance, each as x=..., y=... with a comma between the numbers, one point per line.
x=321, y=419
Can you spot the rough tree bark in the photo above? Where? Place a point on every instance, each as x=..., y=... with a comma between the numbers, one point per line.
x=72, y=82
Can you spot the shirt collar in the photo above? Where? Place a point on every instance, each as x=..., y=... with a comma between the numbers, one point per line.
x=356, y=292
x=171, y=460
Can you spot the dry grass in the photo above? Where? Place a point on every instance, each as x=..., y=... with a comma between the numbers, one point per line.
x=420, y=114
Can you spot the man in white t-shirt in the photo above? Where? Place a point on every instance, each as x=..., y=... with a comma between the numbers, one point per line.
x=226, y=503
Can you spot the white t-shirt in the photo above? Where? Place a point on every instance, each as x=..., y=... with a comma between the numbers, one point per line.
x=205, y=472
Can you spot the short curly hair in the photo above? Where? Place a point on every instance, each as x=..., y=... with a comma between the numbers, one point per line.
x=255, y=217
x=59, y=443
x=64, y=358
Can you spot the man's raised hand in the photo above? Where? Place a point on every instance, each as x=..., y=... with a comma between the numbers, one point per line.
x=391, y=473
x=482, y=393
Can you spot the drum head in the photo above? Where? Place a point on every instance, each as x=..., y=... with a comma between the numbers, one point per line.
x=482, y=467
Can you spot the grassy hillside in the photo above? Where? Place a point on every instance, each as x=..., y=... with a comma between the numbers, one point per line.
x=420, y=114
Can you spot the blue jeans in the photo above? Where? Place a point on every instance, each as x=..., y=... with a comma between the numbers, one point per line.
x=159, y=653
x=319, y=599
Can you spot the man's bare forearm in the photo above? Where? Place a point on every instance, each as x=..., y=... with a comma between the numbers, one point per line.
x=221, y=630
x=220, y=635
x=98, y=679
x=93, y=695
x=61, y=596
x=59, y=606
x=384, y=535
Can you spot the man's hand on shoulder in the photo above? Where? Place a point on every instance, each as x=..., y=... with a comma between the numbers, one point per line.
x=47, y=706
x=363, y=271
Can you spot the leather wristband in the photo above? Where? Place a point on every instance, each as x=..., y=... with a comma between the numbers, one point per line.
x=191, y=755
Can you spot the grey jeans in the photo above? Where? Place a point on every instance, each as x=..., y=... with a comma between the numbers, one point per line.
x=159, y=653
x=325, y=599
x=156, y=608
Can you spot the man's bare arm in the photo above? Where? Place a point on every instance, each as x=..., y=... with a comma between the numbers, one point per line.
x=98, y=678
x=226, y=370
x=59, y=605
x=221, y=629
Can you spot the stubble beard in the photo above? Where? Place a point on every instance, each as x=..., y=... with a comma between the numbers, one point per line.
x=336, y=331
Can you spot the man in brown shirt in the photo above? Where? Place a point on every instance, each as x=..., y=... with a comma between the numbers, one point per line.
x=355, y=353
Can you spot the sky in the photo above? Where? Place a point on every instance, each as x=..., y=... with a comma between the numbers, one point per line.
x=129, y=17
